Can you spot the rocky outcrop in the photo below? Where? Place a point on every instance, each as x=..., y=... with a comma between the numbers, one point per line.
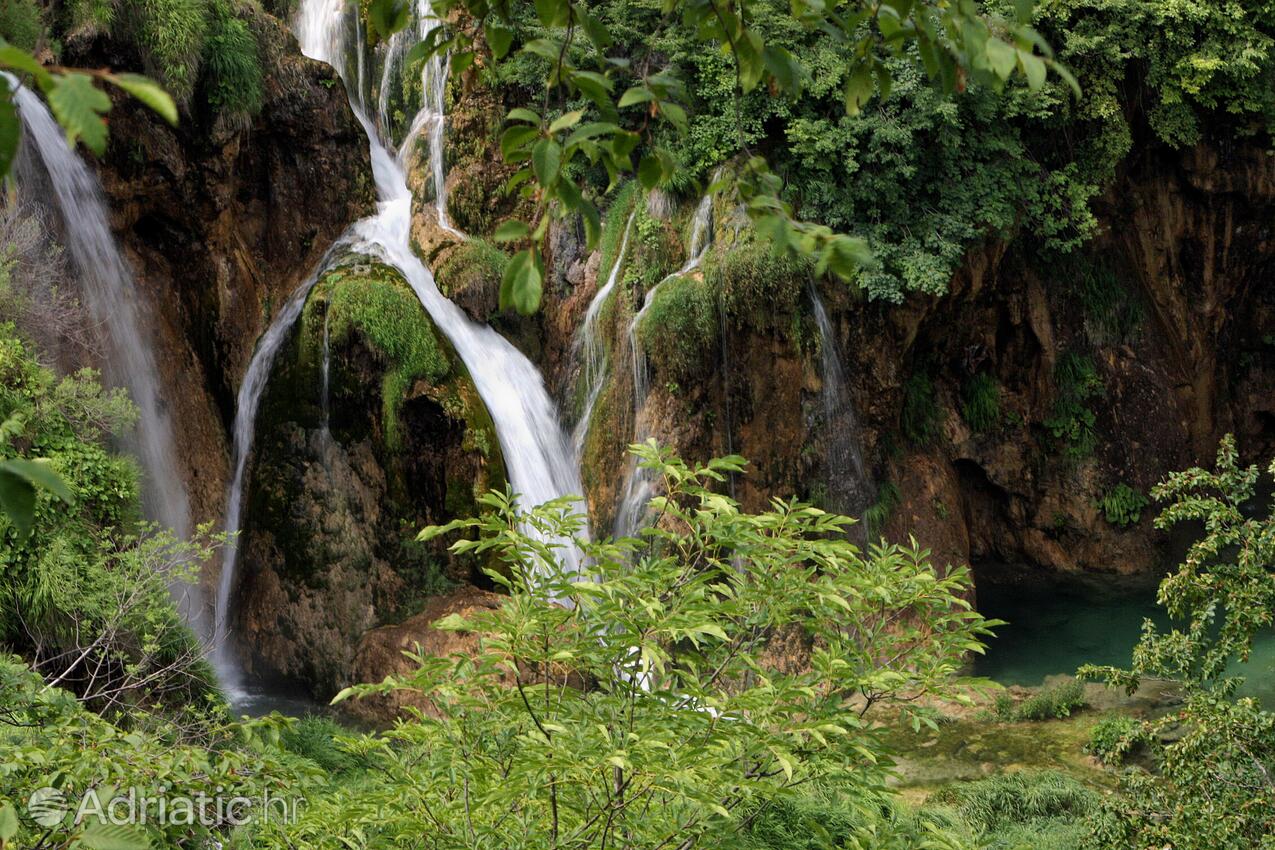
x=220, y=223
x=341, y=486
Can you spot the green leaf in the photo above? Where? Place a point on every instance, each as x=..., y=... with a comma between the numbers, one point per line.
x=78, y=106
x=859, y=88
x=524, y=115
x=19, y=60
x=570, y=119
x=552, y=13
x=521, y=286
x=1033, y=68
x=546, y=159
x=784, y=68
x=499, y=38
x=148, y=92
x=99, y=835
x=513, y=139
x=10, y=128
x=460, y=62
x=1002, y=58
x=386, y=17
x=511, y=231
x=38, y=473
x=637, y=94
x=649, y=171
x=8, y=821
x=17, y=500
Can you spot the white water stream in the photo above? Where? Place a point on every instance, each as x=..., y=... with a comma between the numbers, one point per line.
x=640, y=486
x=110, y=292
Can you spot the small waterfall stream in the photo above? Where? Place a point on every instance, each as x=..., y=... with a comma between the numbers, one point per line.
x=109, y=290
x=849, y=488
x=640, y=486
x=589, y=346
x=537, y=456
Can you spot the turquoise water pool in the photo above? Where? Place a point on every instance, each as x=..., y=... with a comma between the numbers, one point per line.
x=1055, y=627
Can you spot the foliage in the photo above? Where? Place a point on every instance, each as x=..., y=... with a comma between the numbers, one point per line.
x=1112, y=738
x=47, y=739
x=569, y=41
x=85, y=591
x=324, y=742
x=642, y=700
x=1122, y=505
x=1213, y=787
x=1043, y=811
x=679, y=331
x=1052, y=703
x=981, y=402
x=377, y=303
x=21, y=23
x=1072, y=421
x=919, y=417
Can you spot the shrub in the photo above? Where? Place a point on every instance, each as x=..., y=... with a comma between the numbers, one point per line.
x=1112, y=738
x=1122, y=505
x=1072, y=421
x=319, y=739
x=981, y=402
x=21, y=23
x=1053, y=703
x=234, y=82
x=920, y=411
x=672, y=635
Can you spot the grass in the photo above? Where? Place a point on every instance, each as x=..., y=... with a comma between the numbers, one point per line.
x=1112, y=315
x=1112, y=738
x=1041, y=810
x=1072, y=420
x=981, y=403
x=1122, y=505
x=879, y=512
x=760, y=290
x=1053, y=703
x=232, y=65
x=171, y=35
x=21, y=23
x=919, y=417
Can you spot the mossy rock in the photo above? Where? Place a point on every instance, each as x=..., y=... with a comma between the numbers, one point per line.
x=680, y=330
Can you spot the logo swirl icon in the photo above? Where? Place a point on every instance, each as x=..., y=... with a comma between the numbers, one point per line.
x=47, y=806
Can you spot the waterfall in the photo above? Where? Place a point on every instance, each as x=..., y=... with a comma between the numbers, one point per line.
x=849, y=489
x=540, y=464
x=640, y=486
x=109, y=290
x=589, y=346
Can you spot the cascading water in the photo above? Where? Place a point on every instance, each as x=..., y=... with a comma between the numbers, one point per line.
x=849, y=489
x=109, y=291
x=540, y=464
x=589, y=346
x=640, y=486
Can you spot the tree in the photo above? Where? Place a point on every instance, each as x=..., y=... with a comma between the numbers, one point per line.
x=1214, y=784
x=600, y=109
x=667, y=696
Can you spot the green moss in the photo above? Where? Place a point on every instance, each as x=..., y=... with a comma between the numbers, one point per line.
x=614, y=224
x=759, y=289
x=381, y=307
x=476, y=267
x=679, y=332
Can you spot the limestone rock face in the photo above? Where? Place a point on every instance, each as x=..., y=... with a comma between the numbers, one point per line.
x=221, y=223
x=340, y=487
